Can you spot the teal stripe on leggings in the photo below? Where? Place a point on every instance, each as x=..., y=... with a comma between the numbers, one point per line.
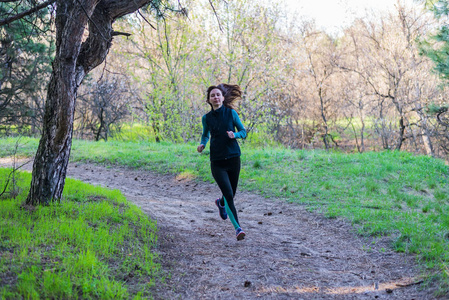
x=230, y=214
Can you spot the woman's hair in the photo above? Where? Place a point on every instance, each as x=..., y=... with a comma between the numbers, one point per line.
x=231, y=93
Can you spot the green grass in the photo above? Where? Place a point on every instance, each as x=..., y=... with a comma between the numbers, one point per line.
x=394, y=194
x=27, y=146
x=92, y=245
x=133, y=133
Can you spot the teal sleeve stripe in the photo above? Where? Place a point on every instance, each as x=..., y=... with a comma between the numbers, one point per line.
x=230, y=215
x=205, y=135
x=241, y=131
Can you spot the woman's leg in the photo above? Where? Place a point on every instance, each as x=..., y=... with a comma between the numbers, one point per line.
x=221, y=173
x=234, y=173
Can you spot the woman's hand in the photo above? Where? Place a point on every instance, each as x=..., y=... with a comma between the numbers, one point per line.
x=230, y=134
x=200, y=148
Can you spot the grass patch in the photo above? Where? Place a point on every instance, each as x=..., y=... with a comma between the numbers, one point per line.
x=27, y=146
x=396, y=194
x=92, y=245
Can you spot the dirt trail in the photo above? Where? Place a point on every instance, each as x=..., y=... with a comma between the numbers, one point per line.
x=288, y=253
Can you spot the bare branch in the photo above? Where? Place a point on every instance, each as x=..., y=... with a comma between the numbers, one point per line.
x=6, y=183
x=439, y=119
x=138, y=11
x=26, y=13
x=12, y=174
x=215, y=12
x=115, y=33
x=92, y=22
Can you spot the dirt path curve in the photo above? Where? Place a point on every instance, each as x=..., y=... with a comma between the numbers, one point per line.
x=288, y=253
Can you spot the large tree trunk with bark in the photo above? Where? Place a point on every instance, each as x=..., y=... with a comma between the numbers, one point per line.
x=74, y=59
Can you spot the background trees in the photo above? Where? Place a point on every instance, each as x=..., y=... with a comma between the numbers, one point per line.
x=436, y=46
x=102, y=106
x=368, y=88
x=27, y=48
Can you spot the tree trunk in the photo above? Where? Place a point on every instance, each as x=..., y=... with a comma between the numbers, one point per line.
x=401, y=137
x=362, y=136
x=426, y=136
x=50, y=164
x=323, y=116
x=52, y=157
x=423, y=119
x=73, y=60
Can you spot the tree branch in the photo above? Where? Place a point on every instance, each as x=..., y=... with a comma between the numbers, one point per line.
x=14, y=169
x=25, y=13
x=442, y=122
x=92, y=22
x=138, y=11
x=216, y=15
x=115, y=33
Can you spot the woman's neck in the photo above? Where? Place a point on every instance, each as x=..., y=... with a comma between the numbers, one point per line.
x=215, y=108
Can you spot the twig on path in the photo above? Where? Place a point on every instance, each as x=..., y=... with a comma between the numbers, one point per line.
x=409, y=284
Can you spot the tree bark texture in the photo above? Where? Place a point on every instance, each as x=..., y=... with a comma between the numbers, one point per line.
x=73, y=60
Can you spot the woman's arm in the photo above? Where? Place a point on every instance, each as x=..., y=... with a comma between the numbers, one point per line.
x=241, y=131
x=204, y=136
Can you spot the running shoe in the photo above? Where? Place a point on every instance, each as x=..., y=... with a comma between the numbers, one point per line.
x=240, y=234
x=221, y=209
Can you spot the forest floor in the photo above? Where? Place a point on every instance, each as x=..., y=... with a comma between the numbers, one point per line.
x=288, y=252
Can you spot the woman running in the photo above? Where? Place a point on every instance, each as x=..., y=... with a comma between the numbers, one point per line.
x=221, y=123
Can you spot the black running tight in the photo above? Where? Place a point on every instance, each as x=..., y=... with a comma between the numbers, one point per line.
x=226, y=174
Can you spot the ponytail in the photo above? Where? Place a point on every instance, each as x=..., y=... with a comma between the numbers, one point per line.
x=231, y=93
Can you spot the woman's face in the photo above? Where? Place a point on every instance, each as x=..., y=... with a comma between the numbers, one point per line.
x=216, y=98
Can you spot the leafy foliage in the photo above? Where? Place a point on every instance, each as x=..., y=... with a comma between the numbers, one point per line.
x=26, y=51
